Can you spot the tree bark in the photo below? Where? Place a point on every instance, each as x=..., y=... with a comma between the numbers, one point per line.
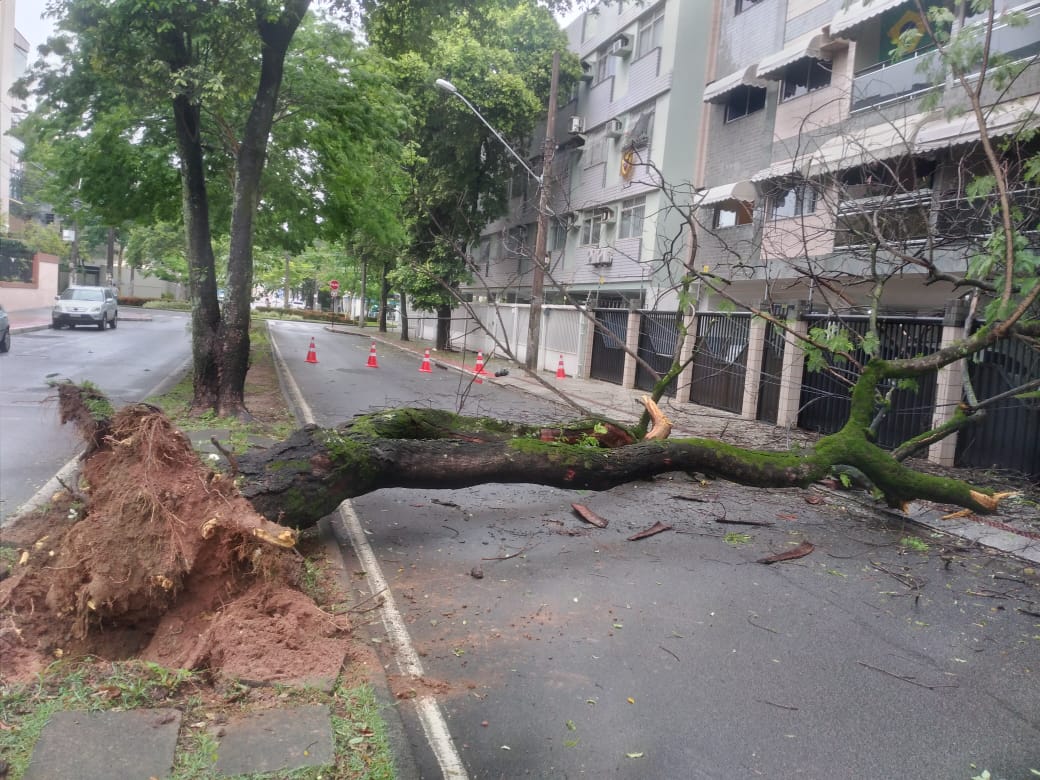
x=443, y=327
x=202, y=284
x=307, y=476
x=275, y=35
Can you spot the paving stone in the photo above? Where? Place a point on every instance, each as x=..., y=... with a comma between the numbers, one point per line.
x=133, y=745
x=275, y=740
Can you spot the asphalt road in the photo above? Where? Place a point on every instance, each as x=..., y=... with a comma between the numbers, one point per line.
x=127, y=363
x=578, y=653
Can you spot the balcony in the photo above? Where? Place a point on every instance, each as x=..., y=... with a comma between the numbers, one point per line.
x=887, y=82
x=894, y=81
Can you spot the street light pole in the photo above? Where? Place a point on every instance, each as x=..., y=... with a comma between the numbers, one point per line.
x=447, y=86
x=534, y=323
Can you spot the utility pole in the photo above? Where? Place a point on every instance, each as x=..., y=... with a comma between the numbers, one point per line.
x=534, y=325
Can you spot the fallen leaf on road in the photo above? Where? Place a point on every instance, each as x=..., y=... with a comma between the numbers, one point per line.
x=570, y=726
x=633, y=755
x=631, y=700
x=814, y=499
x=653, y=530
x=589, y=516
x=786, y=516
x=800, y=551
x=957, y=514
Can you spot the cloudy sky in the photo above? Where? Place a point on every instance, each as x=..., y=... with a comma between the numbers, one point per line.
x=30, y=24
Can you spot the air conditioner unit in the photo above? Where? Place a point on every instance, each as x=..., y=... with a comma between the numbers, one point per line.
x=588, y=71
x=601, y=255
x=606, y=215
x=577, y=125
x=615, y=128
x=620, y=47
x=571, y=219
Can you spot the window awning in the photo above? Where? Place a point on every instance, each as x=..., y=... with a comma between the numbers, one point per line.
x=738, y=190
x=809, y=45
x=860, y=11
x=1002, y=119
x=849, y=150
x=720, y=87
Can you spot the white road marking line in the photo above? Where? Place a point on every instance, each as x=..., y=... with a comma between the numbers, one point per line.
x=434, y=725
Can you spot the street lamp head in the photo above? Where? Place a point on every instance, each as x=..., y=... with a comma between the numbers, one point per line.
x=447, y=86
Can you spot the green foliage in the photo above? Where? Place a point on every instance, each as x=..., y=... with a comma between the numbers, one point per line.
x=914, y=544
x=827, y=340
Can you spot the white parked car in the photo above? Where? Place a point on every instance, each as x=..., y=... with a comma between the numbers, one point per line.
x=78, y=305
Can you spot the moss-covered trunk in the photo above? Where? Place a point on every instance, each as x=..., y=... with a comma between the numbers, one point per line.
x=308, y=475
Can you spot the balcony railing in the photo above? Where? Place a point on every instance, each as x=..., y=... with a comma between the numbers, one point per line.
x=887, y=82
x=895, y=81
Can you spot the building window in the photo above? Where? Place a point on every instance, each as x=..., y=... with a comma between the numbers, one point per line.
x=891, y=224
x=557, y=238
x=744, y=100
x=731, y=213
x=642, y=129
x=804, y=76
x=518, y=183
x=792, y=200
x=743, y=5
x=592, y=227
x=630, y=223
x=484, y=254
x=606, y=67
x=651, y=29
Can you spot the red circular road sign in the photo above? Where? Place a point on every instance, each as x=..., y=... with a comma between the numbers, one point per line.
x=333, y=285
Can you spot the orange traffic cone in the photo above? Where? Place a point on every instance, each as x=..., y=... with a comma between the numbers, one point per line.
x=312, y=356
x=425, y=368
x=478, y=369
x=560, y=373
x=372, y=357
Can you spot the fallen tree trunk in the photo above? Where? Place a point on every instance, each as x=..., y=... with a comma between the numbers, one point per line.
x=306, y=477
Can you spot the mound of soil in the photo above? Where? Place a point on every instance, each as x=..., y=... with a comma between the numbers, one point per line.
x=159, y=557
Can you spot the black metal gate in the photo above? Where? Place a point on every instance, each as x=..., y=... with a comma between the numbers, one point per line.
x=772, y=370
x=1009, y=436
x=658, y=345
x=608, y=345
x=720, y=360
x=825, y=399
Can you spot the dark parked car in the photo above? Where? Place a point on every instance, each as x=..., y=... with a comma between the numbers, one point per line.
x=86, y=306
x=5, y=330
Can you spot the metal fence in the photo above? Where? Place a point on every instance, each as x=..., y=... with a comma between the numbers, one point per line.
x=608, y=345
x=769, y=377
x=825, y=400
x=720, y=360
x=658, y=346
x=1008, y=437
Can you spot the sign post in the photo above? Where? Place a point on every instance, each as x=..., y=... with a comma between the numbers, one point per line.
x=334, y=287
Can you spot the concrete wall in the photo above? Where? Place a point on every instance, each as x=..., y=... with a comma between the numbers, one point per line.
x=17, y=296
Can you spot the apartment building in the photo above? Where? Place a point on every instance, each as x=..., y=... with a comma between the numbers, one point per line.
x=14, y=57
x=816, y=135
x=613, y=238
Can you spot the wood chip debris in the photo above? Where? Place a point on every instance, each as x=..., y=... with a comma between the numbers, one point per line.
x=794, y=553
x=589, y=516
x=653, y=530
